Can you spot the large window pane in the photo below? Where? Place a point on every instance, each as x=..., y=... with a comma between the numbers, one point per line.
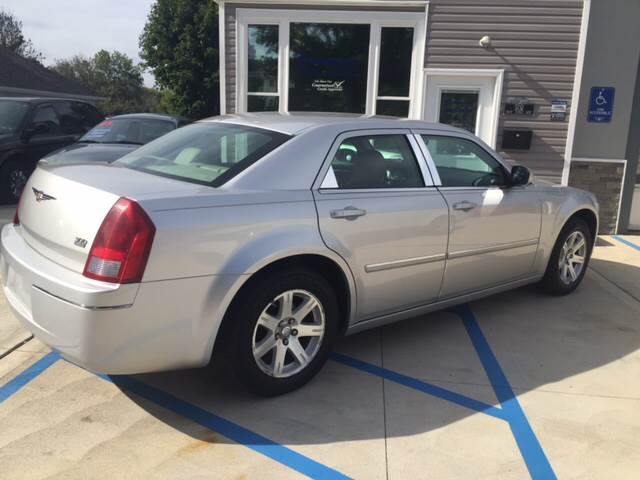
x=394, y=108
x=262, y=103
x=396, y=45
x=263, y=58
x=328, y=67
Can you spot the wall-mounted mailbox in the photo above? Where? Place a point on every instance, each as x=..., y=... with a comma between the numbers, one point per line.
x=516, y=139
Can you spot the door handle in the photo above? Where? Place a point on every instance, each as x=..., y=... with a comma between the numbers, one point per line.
x=348, y=213
x=464, y=206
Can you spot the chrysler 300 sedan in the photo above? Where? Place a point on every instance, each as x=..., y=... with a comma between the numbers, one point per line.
x=258, y=239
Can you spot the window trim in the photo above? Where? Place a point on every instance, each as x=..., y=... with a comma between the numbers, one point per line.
x=322, y=173
x=283, y=18
x=417, y=133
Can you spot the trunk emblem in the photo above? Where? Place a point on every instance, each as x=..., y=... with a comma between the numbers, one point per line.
x=80, y=242
x=40, y=195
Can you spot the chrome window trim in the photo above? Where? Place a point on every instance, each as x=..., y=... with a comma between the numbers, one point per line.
x=322, y=173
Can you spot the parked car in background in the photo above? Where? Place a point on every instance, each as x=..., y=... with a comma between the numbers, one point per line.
x=115, y=137
x=30, y=128
x=262, y=238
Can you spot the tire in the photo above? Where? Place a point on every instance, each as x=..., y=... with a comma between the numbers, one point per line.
x=13, y=177
x=262, y=329
x=559, y=279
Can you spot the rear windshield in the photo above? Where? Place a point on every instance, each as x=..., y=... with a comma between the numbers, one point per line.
x=206, y=153
x=134, y=131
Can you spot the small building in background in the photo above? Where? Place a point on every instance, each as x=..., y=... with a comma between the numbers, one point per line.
x=550, y=84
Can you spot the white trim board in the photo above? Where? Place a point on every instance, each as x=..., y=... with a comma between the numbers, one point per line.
x=600, y=160
x=377, y=20
x=495, y=74
x=222, y=58
x=344, y=3
x=575, y=96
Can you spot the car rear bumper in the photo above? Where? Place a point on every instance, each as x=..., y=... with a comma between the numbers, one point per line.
x=109, y=328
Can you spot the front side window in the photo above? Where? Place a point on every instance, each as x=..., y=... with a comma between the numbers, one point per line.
x=12, y=115
x=463, y=163
x=207, y=153
x=328, y=66
x=262, y=69
x=375, y=161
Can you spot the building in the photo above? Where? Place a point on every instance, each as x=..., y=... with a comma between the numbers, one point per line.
x=519, y=74
x=20, y=77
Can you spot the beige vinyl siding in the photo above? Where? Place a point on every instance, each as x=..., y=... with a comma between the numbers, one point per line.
x=536, y=43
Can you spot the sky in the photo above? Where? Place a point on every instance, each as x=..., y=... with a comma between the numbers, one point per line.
x=63, y=28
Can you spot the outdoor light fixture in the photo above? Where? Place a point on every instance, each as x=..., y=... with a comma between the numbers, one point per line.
x=485, y=42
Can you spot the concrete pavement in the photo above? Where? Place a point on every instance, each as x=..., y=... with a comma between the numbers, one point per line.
x=422, y=398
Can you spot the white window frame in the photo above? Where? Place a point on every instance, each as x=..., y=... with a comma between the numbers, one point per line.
x=376, y=20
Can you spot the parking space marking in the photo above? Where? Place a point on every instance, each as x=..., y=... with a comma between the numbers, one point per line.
x=238, y=434
x=510, y=410
x=626, y=242
x=29, y=374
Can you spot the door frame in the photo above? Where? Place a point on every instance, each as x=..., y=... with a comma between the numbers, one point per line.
x=495, y=75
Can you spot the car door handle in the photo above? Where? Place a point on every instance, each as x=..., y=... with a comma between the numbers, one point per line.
x=348, y=213
x=464, y=206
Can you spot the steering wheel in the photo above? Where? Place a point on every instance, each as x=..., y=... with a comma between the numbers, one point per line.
x=485, y=180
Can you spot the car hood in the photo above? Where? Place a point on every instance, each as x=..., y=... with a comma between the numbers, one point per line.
x=89, y=153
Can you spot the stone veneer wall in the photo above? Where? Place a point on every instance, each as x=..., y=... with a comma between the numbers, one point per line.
x=604, y=179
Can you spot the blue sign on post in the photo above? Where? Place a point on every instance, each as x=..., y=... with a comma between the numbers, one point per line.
x=601, y=104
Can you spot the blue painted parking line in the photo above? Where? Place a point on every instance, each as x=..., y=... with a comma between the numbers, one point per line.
x=29, y=374
x=419, y=385
x=530, y=448
x=509, y=411
x=626, y=242
x=230, y=430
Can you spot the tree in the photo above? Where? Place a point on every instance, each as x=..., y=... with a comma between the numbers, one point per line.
x=112, y=75
x=12, y=38
x=180, y=45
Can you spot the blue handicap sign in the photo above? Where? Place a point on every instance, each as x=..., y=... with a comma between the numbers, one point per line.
x=601, y=104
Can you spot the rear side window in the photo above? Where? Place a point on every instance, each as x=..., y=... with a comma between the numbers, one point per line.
x=207, y=153
x=46, y=119
x=375, y=161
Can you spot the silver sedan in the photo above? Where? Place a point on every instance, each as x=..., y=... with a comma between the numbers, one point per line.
x=259, y=239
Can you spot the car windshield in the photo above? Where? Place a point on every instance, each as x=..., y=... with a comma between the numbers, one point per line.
x=207, y=153
x=136, y=131
x=11, y=115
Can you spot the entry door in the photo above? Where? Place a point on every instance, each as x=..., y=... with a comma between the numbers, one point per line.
x=494, y=229
x=379, y=210
x=463, y=101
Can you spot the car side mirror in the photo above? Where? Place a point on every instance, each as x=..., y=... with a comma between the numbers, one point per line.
x=34, y=129
x=520, y=175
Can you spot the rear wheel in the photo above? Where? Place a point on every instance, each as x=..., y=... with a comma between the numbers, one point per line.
x=569, y=258
x=13, y=177
x=284, y=326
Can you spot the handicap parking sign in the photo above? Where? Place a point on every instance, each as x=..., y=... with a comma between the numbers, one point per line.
x=601, y=104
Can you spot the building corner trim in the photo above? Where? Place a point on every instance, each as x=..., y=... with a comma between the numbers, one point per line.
x=222, y=57
x=575, y=96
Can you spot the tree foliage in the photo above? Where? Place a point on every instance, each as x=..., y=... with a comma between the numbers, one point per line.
x=180, y=45
x=12, y=38
x=112, y=75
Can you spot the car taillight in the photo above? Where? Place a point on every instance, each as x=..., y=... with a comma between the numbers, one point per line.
x=121, y=248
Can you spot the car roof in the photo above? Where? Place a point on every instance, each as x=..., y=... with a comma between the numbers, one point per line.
x=295, y=123
x=43, y=99
x=150, y=116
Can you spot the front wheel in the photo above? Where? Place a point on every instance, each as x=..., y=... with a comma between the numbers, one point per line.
x=284, y=328
x=569, y=258
x=13, y=177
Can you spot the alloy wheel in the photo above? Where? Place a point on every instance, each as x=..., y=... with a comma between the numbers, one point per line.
x=17, y=181
x=572, y=257
x=288, y=333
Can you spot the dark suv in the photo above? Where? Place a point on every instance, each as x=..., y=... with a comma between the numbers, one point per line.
x=30, y=128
